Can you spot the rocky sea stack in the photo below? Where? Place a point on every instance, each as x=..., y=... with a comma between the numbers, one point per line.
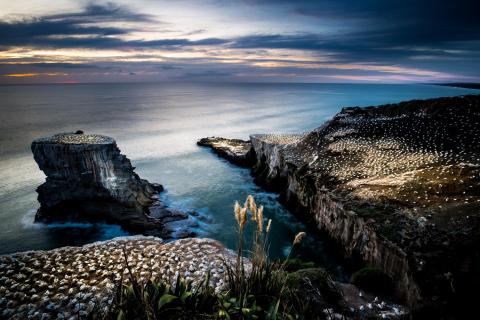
x=88, y=179
x=397, y=187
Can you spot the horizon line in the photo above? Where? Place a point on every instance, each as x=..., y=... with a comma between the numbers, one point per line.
x=240, y=82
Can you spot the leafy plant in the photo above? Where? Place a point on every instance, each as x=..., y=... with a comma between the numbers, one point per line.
x=257, y=288
x=159, y=300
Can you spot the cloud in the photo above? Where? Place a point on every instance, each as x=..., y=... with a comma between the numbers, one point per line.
x=376, y=30
x=54, y=29
x=20, y=75
x=101, y=42
x=401, y=23
x=62, y=65
x=195, y=32
x=87, y=29
x=169, y=67
x=43, y=31
x=280, y=41
x=104, y=13
x=398, y=40
x=208, y=74
x=31, y=75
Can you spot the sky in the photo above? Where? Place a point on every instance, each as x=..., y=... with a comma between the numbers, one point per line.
x=374, y=41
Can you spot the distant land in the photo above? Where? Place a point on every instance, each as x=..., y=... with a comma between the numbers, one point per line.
x=461, y=85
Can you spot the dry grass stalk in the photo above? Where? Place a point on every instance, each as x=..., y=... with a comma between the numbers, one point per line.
x=237, y=209
x=251, y=206
x=262, y=277
x=299, y=237
x=260, y=219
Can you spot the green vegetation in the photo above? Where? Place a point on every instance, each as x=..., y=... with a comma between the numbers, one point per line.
x=313, y=289
x=256, y=288
x=157, y=300
x=292, y=265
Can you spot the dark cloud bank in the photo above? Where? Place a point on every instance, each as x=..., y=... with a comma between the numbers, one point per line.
x=423, y=33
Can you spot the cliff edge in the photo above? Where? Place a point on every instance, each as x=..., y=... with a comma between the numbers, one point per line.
x=397, y=186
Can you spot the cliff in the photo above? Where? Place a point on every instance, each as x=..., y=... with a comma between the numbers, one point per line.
x=397, y=186
x=88, y=179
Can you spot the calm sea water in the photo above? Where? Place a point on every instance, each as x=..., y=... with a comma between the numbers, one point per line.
x=156, y=126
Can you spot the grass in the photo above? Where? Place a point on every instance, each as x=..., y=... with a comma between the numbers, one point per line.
x=256, y=288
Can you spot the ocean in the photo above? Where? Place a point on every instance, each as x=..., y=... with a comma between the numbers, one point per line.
x=157, y=125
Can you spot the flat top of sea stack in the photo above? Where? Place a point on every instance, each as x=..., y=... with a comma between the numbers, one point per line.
x=75, y=138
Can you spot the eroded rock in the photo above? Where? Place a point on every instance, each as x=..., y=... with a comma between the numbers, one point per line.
x=88, y=179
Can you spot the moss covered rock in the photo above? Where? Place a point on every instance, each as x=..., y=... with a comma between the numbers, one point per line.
x=313, y=287
x=373, y=280
x=292, y=264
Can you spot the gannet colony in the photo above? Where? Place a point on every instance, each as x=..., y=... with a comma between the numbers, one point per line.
x=396, y=186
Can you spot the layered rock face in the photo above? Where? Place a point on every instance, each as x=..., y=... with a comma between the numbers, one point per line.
x=398, y=186
x=89, y=179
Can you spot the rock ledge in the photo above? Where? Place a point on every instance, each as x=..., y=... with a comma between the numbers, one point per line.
x=237, y=151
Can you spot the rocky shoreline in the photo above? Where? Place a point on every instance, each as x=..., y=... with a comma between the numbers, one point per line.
x=88, y=179
x=396, y=186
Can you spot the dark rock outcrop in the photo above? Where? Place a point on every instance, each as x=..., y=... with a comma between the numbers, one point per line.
x=398, y=186
x=237, y=151
x=315, y=287
x=88, y=179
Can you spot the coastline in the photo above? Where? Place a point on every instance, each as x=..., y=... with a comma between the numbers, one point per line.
x=465, y=85
x=365, y=215
x=283, y=171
